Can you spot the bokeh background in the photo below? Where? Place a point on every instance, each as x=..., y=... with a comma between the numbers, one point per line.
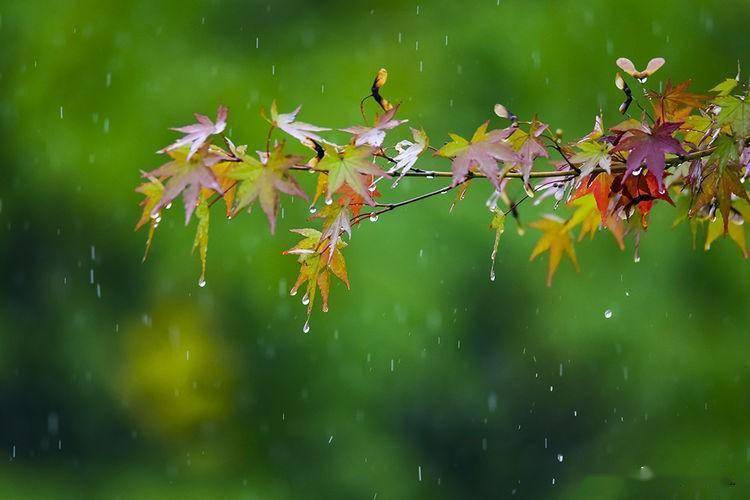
x=126, y=380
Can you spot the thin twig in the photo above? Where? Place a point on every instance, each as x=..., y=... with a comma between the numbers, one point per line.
x=387, y=207
x=617, y=167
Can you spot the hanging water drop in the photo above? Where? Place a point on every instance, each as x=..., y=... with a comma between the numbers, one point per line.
x=560, y=457
x=306, y=326
x=373, y=217
x=202, y=282
x=329, y=201
x=608, y=313
x=313, y=209
x=306, y=299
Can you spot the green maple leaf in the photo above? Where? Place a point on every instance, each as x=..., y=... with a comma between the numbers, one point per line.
x=315, y=268
x=264, y=179
x=734, y=112
x=592, y=154
x=347, y=165
x=726, y=87
x=202, y=212
x=721, y=180
x=153, y=190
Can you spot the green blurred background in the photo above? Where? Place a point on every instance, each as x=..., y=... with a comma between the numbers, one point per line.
x=126, y=380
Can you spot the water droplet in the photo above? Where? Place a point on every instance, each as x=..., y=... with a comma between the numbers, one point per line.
x=306, y=326
x=293, y=292
x=645, y=473
x=313, y=209
x=559, y=457
x=373, y=217
x=202, y=282
x=329, y=201
x=305, y=299
x=608, y=313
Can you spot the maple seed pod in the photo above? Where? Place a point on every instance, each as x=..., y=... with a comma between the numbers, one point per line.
x=502, y=111
x=619, y=82
x=628, y=67
x=380, y=79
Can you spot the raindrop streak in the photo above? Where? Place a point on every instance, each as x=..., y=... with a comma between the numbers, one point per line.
x=419, y=471
x=608, y=313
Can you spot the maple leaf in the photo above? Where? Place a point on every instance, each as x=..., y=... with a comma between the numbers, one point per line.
x=202, y=212
x=726, y=87
x=557, y=239
x=529, y=148
x=734, y=112
x=587, y=215
x=720, y=182
x=336, y=222
x=263, y=179
x=375, y=135
x=596, y=132
x=637, y=191
x=482, y=154
x=497, y=224
x=197, y=133
x=697, y=130
x=409, y=152
x=600, y=186
x=652, y=147
x=676, y=102
x=736, y=233
x=187, y=175
x=222, y=170
x=314, y=270
x=303, y=132
x=592, y=154
x=346, y=166
x=152, y=190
